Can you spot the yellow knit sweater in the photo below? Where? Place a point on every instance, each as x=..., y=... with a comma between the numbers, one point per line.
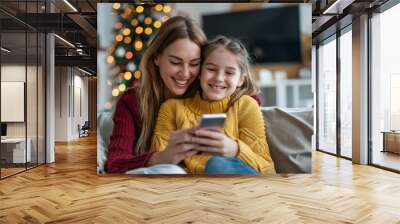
x=244, y=124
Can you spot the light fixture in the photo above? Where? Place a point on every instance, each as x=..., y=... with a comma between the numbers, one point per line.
x=84, y=71
x=5, y=50
x=79, y=51
x=70, y=5
x=338, y=6
x=65, y=41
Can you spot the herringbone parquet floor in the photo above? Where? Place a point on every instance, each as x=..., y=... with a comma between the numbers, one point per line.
x=70, y=191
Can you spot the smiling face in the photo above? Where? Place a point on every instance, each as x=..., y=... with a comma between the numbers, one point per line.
x=179, y=65
x=220, y=75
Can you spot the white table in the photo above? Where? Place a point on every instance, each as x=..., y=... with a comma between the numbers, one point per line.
x=17, y=146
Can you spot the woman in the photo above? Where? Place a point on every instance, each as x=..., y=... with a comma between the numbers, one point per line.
x=177, y=50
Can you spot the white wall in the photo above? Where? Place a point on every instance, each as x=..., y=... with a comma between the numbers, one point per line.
x=14, y=73
x=34, y=124
x=67, y=115
x=61, y=103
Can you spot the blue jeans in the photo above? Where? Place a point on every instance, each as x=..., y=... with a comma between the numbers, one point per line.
x=226, y=165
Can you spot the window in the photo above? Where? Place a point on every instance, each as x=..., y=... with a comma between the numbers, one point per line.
x=346, y=94
x=385, y=88
x=327, y=96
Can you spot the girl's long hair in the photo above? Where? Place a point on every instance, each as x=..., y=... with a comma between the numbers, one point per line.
x=151, y=91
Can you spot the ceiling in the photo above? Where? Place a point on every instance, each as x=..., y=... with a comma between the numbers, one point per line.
x=79, y=27
x=329, y=15
x=76, y=26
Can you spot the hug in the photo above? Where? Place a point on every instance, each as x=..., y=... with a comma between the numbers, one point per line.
x=156, y=126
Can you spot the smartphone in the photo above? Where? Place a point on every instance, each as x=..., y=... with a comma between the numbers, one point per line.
x=212, y=120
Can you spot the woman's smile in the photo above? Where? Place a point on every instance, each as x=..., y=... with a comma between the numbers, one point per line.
x=181, y=82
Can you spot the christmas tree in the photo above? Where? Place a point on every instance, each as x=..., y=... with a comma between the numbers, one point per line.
x=135, y=27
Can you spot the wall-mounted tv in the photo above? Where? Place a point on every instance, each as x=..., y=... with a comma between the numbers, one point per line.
x=271, y=35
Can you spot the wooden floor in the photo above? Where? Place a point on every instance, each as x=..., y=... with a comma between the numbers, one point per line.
x=70, y=191
x=387, y=159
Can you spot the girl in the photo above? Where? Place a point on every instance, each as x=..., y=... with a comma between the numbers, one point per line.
x=226, y=86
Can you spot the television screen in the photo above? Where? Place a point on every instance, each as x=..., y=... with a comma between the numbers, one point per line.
x=271, y=35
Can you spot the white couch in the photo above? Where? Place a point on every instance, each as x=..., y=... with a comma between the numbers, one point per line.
x=288, y=132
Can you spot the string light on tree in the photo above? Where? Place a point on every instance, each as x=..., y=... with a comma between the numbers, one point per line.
x=118, y=25
x=167, y=9
x=116, y=6
x=137, y=74
x=148, y=20
x=115, y=92
x=157, y=24
x=110, y=59
x=127, y=40
x=138, y=45
x=135, y=26
x=128, y=76
x=139, y=9
x=126, y=32
x=131, y=66
x=139, y=30
x=158, y=7
x=107, y=105
x=122, y=87
x=164, y=18
x=148, y=31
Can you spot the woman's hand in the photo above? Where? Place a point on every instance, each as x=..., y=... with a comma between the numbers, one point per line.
x=215, y=142
x=180, y=146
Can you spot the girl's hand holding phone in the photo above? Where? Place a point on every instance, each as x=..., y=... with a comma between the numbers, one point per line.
x=214, y=141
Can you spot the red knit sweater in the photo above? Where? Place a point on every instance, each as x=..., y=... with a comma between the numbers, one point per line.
x=127, y=125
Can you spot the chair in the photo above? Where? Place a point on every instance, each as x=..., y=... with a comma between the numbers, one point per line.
x=84, y=130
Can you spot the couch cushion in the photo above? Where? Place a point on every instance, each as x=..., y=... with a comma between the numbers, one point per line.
x=104, y=131
x=289, y=134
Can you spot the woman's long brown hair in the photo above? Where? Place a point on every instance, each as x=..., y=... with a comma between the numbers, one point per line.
x=151, y=91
